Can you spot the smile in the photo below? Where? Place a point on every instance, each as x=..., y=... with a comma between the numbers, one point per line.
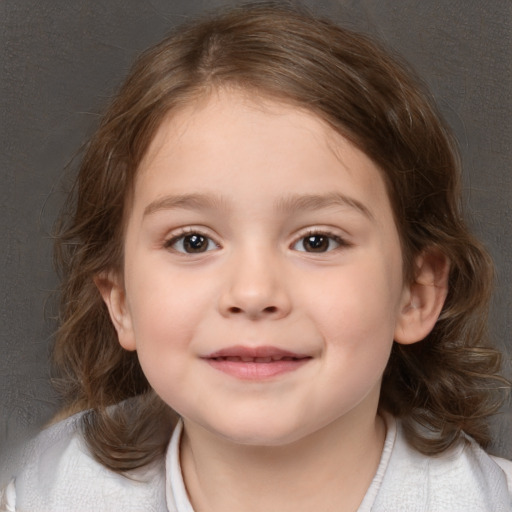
x=256, y=359
x=256, y=363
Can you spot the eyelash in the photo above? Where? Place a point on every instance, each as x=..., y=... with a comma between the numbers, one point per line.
x=331, y=237
x=189, y=232
x=325, y=235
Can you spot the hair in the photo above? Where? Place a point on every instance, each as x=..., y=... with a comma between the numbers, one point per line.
x=442, y=386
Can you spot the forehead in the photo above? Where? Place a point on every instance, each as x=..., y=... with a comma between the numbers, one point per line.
x=230, y=138
x=228, y=110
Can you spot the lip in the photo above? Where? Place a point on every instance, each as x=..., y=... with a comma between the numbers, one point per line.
x=255, y=363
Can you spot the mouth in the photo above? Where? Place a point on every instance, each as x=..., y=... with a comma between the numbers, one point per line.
x=255, y=363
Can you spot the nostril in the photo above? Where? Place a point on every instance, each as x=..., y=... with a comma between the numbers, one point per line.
x=268, y=310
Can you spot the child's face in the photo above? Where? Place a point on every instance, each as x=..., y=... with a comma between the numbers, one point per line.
x=263, y=278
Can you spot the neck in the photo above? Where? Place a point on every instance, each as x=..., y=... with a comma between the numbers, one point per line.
x=328, y=470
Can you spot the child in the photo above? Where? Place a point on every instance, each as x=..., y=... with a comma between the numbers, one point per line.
x=265, y=237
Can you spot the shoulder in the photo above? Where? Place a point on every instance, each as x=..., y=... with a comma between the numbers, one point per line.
x=462, y=478
x=60, y=474
x=506, y=467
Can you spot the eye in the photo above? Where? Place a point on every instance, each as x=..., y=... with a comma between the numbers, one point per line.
x=318, y=242
x=191, y=243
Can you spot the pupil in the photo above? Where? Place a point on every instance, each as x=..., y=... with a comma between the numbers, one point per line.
x=195, y=243
x=316, y=243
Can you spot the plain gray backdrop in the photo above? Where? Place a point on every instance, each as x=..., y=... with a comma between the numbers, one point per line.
x=60, y=63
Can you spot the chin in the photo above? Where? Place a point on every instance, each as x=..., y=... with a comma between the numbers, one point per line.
x=265, y=434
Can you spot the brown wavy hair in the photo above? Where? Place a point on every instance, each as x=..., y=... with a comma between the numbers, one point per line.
x=442, y=386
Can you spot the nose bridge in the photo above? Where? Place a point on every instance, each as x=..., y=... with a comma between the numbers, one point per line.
x=256, y=285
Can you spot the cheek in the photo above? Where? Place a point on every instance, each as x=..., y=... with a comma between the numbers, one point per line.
x=168, y=309
x=164, y=325
x=163, y=316
x=165, y=301
x=356, y=316
x=363, y=301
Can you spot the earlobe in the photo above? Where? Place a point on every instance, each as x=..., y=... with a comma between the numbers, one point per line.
x=112, y=291
x=423, y=298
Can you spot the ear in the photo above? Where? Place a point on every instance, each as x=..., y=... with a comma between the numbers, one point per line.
x=424, y=298
x=112, y=290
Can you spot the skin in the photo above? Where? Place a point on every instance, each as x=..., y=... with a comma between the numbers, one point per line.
x=262, y=186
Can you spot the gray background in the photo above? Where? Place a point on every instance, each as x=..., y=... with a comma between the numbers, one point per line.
x=61, y=61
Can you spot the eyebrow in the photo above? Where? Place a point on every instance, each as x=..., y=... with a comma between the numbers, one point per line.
x=300, y=202
x=186, y=202
x=320, y=201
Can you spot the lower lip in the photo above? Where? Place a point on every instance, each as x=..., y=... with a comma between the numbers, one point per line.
x=256, y=371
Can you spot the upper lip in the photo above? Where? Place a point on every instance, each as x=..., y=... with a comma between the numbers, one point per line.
x=249, y=353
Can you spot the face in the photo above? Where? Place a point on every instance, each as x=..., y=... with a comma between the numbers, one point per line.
x=262, y=284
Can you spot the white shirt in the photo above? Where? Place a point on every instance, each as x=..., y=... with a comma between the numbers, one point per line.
x=59, y=474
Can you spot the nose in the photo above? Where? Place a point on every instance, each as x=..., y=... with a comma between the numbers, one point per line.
x=256, y=287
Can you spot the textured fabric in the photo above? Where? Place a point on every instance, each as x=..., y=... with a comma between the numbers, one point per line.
x=462, y=479
x=59, y=474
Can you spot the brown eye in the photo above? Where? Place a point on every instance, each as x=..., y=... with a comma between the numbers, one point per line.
x=193, y=243
x=318, y=242
x=315, y=243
